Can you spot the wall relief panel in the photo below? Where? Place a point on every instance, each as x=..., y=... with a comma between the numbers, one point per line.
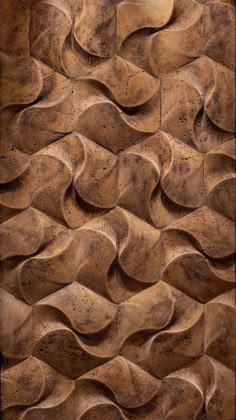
x=117, y=210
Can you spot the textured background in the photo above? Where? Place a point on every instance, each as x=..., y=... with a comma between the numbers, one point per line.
x=117, y=207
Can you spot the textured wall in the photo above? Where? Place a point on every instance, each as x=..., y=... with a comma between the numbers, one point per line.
x=117, y=207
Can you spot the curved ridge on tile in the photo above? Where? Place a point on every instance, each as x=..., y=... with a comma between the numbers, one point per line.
x=175, y=41
x=40, y=111
x=178, y=342
x=131, y=378
x=75, y=329
x=48, y=389
x=133, y=244
x=122, y=115
x=75, y=342
x=220, y=333
x=149, y=174
x=181, y=32
x=201, y=261
x=204, y=117
x=16, y=332
x=193, y=392
x=220, y=179
x=87, y=187
x=78, y=45
x=220, y=45
x=35, y=256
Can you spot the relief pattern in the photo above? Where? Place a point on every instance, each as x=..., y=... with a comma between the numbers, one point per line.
x=117, y=210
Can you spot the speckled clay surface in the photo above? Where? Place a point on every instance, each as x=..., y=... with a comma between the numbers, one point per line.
x=117, y=208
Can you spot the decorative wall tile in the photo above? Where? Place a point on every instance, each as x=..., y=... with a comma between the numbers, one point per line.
x=117, y=210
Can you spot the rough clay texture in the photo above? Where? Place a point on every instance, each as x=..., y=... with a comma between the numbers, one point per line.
x=117, y=209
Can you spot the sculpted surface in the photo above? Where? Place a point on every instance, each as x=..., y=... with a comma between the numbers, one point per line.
x=117, y=210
